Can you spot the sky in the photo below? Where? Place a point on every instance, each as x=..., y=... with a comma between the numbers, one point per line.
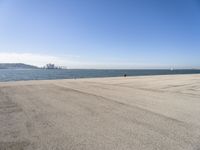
x=102, y=34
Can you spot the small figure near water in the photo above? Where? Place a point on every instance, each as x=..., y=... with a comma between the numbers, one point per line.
x=125, y=75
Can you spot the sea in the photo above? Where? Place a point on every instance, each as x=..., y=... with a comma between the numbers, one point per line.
x=50, y=74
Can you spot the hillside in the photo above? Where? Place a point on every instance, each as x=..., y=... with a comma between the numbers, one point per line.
x=16, y=66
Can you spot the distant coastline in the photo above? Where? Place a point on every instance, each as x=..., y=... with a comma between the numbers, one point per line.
x=17, y=66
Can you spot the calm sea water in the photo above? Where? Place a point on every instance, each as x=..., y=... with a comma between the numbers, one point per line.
x=42, y=74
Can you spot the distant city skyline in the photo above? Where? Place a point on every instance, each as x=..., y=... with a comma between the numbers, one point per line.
x=118, y=34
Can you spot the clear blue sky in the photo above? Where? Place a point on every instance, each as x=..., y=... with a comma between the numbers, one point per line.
x=102, y=33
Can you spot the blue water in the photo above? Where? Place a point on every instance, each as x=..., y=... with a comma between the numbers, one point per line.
x=42, y=74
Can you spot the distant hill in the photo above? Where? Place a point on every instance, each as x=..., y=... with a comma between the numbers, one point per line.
x=16, y=66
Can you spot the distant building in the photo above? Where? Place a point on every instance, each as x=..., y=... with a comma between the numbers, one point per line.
x=53, y=66
x=50, y=66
